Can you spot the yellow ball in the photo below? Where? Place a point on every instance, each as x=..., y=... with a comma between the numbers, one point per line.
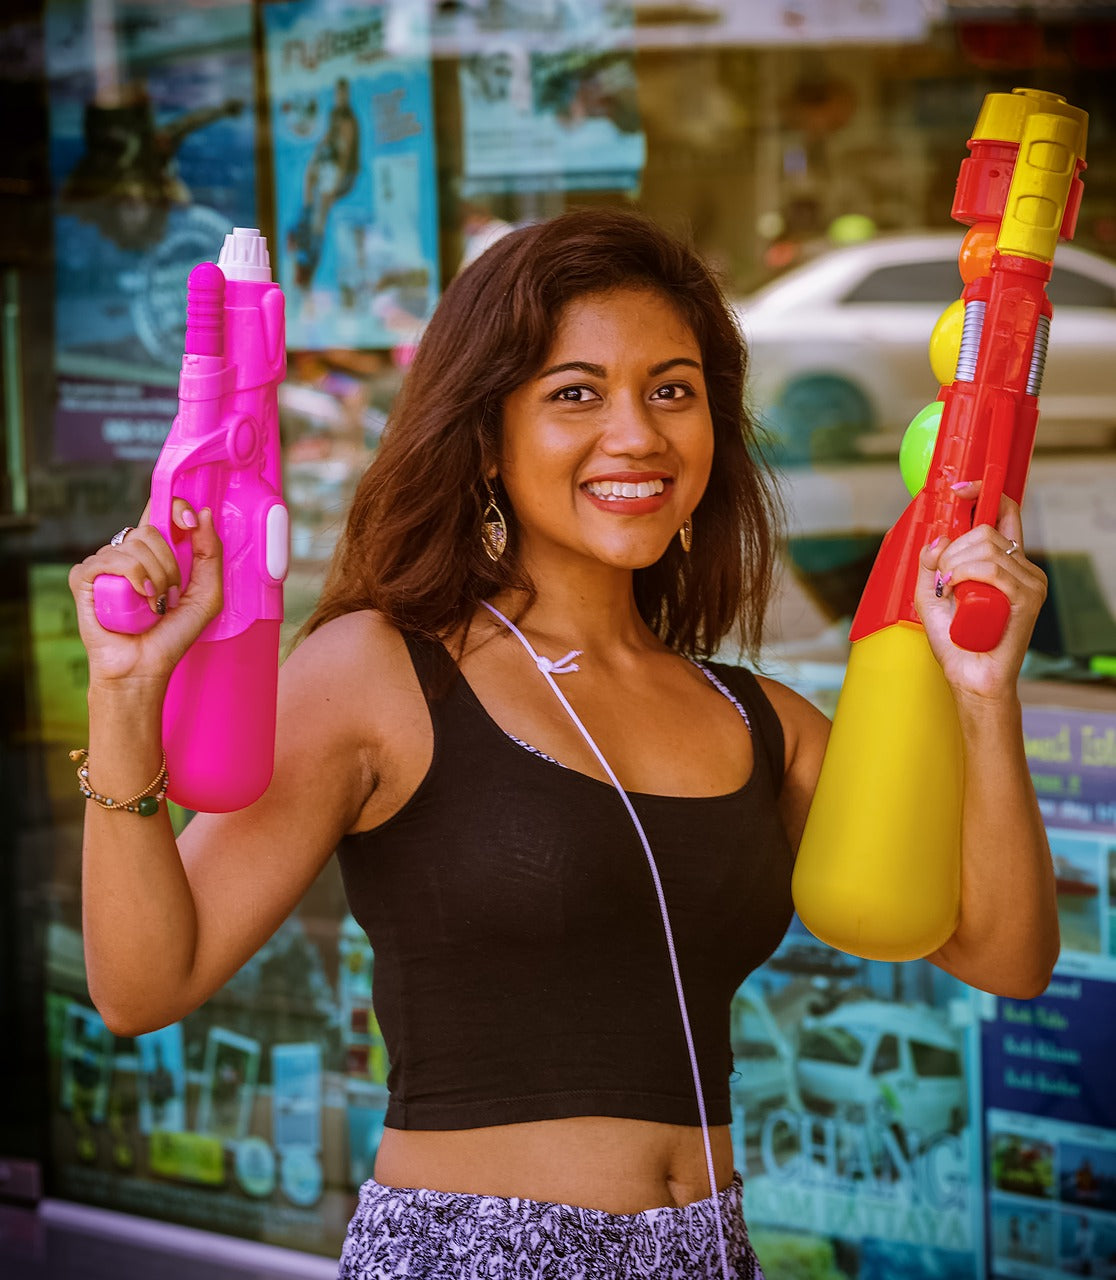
x=945, y=343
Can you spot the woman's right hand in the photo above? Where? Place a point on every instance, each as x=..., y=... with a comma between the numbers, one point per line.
x=149, y=564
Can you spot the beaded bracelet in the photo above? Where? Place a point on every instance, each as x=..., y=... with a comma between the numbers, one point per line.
x=145, y=802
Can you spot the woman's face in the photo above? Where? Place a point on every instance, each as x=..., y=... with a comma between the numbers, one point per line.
x=608, y=448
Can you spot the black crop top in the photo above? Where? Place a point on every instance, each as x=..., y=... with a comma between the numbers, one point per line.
x=520, y=965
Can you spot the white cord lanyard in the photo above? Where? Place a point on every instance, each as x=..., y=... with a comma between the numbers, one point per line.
x=565, y=666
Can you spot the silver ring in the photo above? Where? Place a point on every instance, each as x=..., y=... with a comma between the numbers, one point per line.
x=1012, y=549
x=118, y=538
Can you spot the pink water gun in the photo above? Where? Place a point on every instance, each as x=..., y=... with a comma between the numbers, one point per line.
x=222, y=452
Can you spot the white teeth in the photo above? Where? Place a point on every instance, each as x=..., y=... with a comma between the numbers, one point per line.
x=615, y=489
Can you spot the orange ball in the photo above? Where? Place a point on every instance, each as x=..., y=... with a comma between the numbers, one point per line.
x=975, y=256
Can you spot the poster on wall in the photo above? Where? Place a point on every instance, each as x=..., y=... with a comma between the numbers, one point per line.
x=355, y=183
x=854, y=1116
x=152, y=154
x=1047, y=1064
x=548, y=96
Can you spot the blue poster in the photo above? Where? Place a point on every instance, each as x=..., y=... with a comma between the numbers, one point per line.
x=355, y=184
x=548, y=96
x=1048, y=1080
x=152, y=153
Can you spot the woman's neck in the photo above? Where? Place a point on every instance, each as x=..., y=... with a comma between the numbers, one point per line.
x=594, y=613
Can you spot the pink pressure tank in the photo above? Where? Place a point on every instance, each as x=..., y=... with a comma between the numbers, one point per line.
x=222, y=452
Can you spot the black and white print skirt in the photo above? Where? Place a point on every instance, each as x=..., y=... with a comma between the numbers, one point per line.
x=399, y=1233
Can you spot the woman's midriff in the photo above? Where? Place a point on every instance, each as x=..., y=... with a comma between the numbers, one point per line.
x=598, y=1162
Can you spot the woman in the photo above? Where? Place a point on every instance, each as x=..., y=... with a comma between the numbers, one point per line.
x=565, y=513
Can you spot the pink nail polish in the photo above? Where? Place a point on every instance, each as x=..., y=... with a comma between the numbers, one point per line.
x=189, y=520
x=961, y=484
x=947, y=579
x=935, y=542
x=148, y=587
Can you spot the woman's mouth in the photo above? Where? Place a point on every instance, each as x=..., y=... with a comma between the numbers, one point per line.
x=613, y=490
x=627, y=495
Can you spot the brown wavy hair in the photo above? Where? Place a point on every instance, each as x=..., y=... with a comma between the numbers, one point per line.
x=411, y=547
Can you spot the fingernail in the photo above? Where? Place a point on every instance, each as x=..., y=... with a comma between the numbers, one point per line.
x=161, y=605
x=961, y=484
x=189, y=520
x=172, y=596
x=938, y=586
x=935, y=542
x=148, y=587
x=947, y=579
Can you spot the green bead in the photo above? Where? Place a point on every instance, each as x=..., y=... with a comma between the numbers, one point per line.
x=147, y=806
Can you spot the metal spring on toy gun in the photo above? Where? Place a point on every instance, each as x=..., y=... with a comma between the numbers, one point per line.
x=1038, y=356
x=971, y=332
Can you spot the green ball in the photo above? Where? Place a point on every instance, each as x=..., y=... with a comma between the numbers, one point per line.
x=917, y=449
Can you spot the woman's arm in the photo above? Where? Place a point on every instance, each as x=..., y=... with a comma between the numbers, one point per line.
x=164, y=924
x=1007, y=939
x=805, y=735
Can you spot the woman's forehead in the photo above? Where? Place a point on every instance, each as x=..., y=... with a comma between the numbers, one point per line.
x=642, y=310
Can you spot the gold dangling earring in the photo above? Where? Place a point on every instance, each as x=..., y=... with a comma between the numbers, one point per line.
x=686, y=535
x=494, y=528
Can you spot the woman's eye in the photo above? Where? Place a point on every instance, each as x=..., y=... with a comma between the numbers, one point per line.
x=573, y=395
x=673, y=391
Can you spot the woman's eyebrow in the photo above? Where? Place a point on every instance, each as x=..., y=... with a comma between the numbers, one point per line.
x=664, y=365
x=599, y=371
x=576, y=366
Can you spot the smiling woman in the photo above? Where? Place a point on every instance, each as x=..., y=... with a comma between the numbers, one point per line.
x=569, y=490
x=610, y=466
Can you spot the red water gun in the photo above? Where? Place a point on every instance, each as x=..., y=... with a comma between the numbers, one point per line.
x=878, y=872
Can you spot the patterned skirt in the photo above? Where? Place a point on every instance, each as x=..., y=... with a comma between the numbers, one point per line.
x=438, y=1235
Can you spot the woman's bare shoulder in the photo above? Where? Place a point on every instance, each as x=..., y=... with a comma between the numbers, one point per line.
x=350, y=650
x=353, y=676
x=356, y=671
x=792, y=708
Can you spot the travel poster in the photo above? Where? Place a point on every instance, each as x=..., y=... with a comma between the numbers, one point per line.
x=152, y=155
x=548, y=96
x=355, y=183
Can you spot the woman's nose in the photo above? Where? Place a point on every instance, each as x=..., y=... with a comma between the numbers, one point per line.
x=631, y=429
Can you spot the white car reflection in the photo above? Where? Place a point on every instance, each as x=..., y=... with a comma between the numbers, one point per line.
x=839, y=362
x=870, y=1058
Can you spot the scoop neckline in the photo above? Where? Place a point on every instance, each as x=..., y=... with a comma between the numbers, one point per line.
x=533, y=753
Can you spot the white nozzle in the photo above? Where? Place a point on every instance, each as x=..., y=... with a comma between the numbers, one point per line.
x=244, y=255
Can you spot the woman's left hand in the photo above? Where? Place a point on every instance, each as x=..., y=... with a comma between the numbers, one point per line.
x=988, y=554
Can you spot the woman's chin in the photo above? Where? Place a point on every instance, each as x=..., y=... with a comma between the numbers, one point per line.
x=632, y=556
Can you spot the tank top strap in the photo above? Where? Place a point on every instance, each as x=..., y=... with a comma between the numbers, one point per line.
x=436, y=670
x=767, y=729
